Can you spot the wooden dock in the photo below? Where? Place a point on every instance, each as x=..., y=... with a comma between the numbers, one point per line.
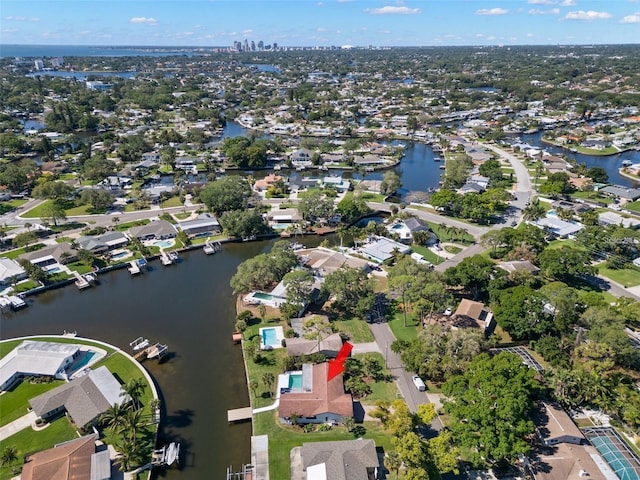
x=81, y=282
x=157, y=350
x=239, y=414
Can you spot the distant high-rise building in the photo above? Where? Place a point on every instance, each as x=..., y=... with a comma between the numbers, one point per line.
x=39, y=64
x=260, y=45
x=253, y=46
x=57, y=62
x=275, y=46
x=246, y=45
x=237, y=46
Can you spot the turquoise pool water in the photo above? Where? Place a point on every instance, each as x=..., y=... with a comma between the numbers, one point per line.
x=86, y=359
x=120, y=255
x=270, y=337
x=397, y=226
x=163, y=243
x=263, y=296
x=615, y=458
x=295, y=380
x=54, y=270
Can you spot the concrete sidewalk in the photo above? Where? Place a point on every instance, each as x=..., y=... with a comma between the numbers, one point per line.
x=17, y=425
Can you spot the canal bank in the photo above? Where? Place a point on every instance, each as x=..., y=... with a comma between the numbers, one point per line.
x=189, y=307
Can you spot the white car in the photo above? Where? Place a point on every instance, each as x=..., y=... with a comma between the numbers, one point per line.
x=417, y=381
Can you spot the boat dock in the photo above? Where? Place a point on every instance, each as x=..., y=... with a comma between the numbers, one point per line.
x=239, y=414
x=156, y=350
x=165, y=258
x=17, y=302
x=81, y=282
x=245, y=474
x=133, y=268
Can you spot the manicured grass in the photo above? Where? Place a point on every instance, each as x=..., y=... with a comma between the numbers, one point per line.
x=172, y=202
x=182, y=216
x=79, y=267
x=38, y=211
x=427, y=254
x=452, y=249
x=283, y=438
x=126, y=226
x=25, y=286
x=358, y=330
x=81, y=210
x=633, y=206
x=627, y=277
x=15, y=253
x=564, y=243
x=446, y=234
x=591, y=195
x=15, y=403
x=28, y=441
x=380, y=390
x=373, y=197
x=67, y=176
x=410, y=332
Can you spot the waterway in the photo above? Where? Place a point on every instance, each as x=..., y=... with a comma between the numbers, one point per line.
x=611, y=163
x=189, y=307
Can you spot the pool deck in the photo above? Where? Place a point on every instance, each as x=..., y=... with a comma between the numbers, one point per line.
x=279, y=337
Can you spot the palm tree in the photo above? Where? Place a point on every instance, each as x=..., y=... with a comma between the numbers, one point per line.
x=9, y=455
x=128, y=453
x=253, y=385
x=268, y=378
x=114, y=416
x=134, y=388
x=154, y=406
x=132, y=422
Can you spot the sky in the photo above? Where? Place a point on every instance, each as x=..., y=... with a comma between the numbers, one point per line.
x=319, y=22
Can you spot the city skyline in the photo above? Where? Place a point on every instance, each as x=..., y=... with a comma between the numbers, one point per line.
x=219, y=23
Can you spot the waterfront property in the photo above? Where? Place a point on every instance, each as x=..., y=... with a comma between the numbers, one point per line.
x=380, y=249
x=622, y=459
x=84, y=398
x=318, y=400
x=268, y=299
x=205, y=223
x=10, y=271
x=69, y=460
x=59, y=253
x=271, y=337
x=35, y=358
x=104, y=243
x=340, y=460
x=158, y=230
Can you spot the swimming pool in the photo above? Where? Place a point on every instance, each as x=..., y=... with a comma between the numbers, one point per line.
x=263, y=296
x=54, y=270
x=163, y=243
x=119, y=255
x=271, y=337
x=622, y=460
x=295, y=380
x=86, y=359
x=397, y=226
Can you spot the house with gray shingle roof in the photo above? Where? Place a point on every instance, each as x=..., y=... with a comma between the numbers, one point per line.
x=59, y=253
x=158, y=230
x=84, y=398
x=340, y=460
x=103, y=243
x=203, y=223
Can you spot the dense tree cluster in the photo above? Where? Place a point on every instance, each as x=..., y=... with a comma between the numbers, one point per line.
x=264, y=270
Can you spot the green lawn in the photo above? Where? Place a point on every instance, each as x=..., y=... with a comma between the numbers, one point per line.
x=15, y=253
x=126, y=226
x=79, y=267
x=383, y=390
x=25, y=286
x=427, y=254
x=182, y=216
x=401, y=332
x=358, y=330
x=445, y=234
x=28, y=441
x=633, y=206
x=283, y=438
x=628, y=277
x=14, y=403
x=38, y=211
x=564, y=243
x=591, y=195
x=172, y=202
x=81, y=210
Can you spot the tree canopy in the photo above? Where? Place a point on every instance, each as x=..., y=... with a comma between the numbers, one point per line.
x=225, y=194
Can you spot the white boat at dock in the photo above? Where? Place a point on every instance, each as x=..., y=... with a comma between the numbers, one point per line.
x=17, y=302
x=174, y=256
x=5, y=303
x=172, y=454
x=627, y=163
x=139, y=343
x=209, y=248
x=165, y=259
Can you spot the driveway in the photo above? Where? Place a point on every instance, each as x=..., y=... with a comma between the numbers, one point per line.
x=19, y=424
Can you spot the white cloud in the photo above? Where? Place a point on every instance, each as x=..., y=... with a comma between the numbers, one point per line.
x=344, y=1
x=22, y=19
x=150, y=20
x=551, y=11
x=633, y=18
x=391, y=10
x=9, y=30
x=492, y=11
x=568, y=3
x=541, y=2
x=587, y=15
x=247, y=31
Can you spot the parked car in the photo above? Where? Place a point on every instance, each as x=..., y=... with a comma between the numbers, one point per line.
x=417, y=381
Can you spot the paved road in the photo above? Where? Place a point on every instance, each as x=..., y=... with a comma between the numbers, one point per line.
x=384, y=338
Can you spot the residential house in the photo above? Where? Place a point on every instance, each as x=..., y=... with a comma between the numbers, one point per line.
x=144, y=166
x=302, y=157
x=10, y=271
x=336, y=182
x=186, y=163
x=84, y=398
x=263, y=184
x=565, y=454
x=323, y=261
x=104, y=243
x=151, y=157
x=557, y=227
x=380, y=249
x=478, y=155
x=325, y=400
x=283, y=216
x=297, y=183
x=35, y=358
x=205, y=223
x=116, y=183
x=576, y=208
x=514, y=266
x=329, y=345
x=76, y=459
x=340, y=460
x=406, y=229
x=623, y=193
x=157, y=230
x=60, y=253
x=612, y=218
x=478, y=313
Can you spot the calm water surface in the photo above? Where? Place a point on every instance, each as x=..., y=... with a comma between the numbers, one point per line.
x=189, y=307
